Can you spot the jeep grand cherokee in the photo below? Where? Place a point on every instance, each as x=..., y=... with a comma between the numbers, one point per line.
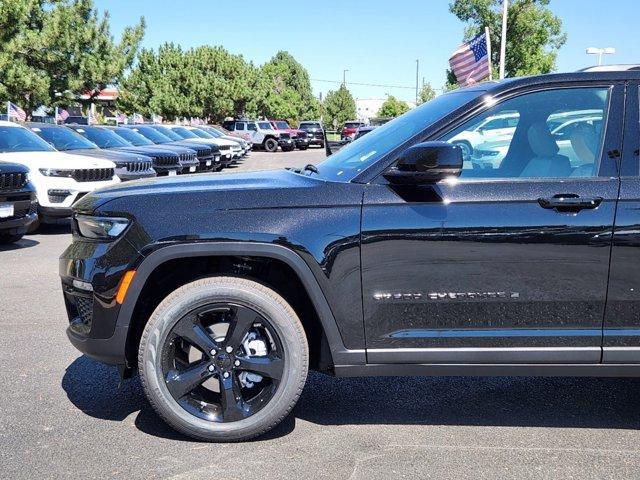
x=398, y=255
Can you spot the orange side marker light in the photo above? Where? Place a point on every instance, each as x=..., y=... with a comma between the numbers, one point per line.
x=124, y=286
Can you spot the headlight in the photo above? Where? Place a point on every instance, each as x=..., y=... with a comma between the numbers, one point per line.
x=56, y=172
x=101, y=228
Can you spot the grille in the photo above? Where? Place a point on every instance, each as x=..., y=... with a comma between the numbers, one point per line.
x=85, y=309
x=167, y=161
x=225, y=147
x=12, y=181
x=93, y=174
x=137, y=166
x=201, y=152
x=191, y=156
x=286, y=136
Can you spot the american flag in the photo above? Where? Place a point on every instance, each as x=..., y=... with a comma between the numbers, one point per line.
x=62, y=115
x=137, y=118
x=15, y=111
x=91, y=119
x=121, y=118
x=156, y=118
x=470, y=62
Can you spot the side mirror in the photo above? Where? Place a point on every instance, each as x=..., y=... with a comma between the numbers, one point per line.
x=426, y=162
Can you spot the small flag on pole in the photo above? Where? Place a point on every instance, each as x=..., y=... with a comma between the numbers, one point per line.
x=137, y=118
x=470, y=62
x=15, y=111
x=121, y=118
x=61, y=115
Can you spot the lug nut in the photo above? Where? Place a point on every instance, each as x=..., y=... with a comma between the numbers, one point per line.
x=213, y=351
x=237, y=363
x=225, y=374
x=211, y=368
x=229, y=349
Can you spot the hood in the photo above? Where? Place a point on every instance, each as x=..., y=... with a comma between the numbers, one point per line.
x=147, y=150
x=113, y=155
x=35, y=160
x=6, y=167
x=271, y=188
x=179, y=149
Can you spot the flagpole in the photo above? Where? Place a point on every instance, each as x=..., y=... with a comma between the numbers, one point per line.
x=8, y=111
x=503, y=37
x=488, y=39
x=55, y=117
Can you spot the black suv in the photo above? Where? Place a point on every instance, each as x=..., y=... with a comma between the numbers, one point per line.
x=18, y=205
x=398, y=255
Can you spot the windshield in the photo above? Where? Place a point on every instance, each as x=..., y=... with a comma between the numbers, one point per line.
x=365, y=151
x=167, y=132
x=18, y=139
x=132, y=137
x=201, y=133
x=152, y=134
x=63, y=138
x=308, y=126
x=265, y=125
x=102, y=137
x=282, y=125
x=352, y=125
x=214, y=132
x=184, y=133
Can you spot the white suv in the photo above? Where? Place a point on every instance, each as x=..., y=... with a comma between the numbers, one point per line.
x=59, y=178
x=262, y=133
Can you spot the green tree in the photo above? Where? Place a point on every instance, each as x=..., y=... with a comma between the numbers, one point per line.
x=534, y=33
x=53, y=50
x=392, y=107
x=426, y=93
x=285, y=90
x=339, y=106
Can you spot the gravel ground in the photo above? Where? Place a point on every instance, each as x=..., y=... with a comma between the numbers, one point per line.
x=63, y=415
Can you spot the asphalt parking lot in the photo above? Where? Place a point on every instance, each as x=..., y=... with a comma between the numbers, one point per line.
x=63, y=415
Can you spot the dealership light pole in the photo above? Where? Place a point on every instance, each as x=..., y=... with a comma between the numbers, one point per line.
x=600, y=52
x=503, y=38
x=344, y=77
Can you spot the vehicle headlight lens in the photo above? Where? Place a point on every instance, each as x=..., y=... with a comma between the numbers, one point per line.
x=56, y=172
x=101, y=228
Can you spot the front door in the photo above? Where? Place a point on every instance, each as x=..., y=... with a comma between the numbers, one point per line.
x=509, y=263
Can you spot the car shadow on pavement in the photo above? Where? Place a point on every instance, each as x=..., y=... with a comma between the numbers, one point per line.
x=560, y=402
x=22, y=243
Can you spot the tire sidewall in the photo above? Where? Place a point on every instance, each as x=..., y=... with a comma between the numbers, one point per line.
x=221, y=290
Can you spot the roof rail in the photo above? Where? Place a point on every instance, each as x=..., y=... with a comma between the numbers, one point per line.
x=612, y=68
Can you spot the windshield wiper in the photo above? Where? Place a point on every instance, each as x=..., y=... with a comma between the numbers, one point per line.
x=311, y=168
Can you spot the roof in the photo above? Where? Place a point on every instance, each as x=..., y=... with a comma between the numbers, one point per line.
x=5, y=123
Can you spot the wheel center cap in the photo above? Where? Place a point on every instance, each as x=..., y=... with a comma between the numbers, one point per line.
x=224, y=360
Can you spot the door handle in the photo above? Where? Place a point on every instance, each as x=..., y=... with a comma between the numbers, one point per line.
x=569, y=202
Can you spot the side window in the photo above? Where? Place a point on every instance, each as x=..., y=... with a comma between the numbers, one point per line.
x=239, y=126
x=252, y=127
x=546, y=134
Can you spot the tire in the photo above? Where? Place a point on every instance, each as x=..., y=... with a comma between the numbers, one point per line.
x=8, y=239
x=35, y=225
x=209, y=295
x=303, y=148
x=467, y=149
x=270, y=145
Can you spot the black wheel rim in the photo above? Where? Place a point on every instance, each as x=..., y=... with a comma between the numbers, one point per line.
x=222, y=362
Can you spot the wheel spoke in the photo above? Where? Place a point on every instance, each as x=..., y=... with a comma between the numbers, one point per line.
x=180, y=383
x=269, y=366
x=190, y=329
x=238, y=327
x=231, y=400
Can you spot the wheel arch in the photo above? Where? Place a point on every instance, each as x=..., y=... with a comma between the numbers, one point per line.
x=337, y=351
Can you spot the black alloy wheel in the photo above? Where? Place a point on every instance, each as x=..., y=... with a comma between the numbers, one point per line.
x=271, y=145
x=223, y=362
x=223, y=359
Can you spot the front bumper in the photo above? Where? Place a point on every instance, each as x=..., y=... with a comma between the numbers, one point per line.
x=189, y=166
x=125, y=175
x=90, y=274
x=24, y=208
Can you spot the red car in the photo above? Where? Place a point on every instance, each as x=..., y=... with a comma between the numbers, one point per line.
x=350, y=129
x=298, y=136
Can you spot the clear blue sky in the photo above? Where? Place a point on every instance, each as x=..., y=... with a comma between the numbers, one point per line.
x=378, y=41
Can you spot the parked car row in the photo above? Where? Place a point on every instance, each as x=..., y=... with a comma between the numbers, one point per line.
x=271, y=134
x=45, y=168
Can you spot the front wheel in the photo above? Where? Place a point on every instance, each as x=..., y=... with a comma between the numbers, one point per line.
x=271, y=145
x=223, y=359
